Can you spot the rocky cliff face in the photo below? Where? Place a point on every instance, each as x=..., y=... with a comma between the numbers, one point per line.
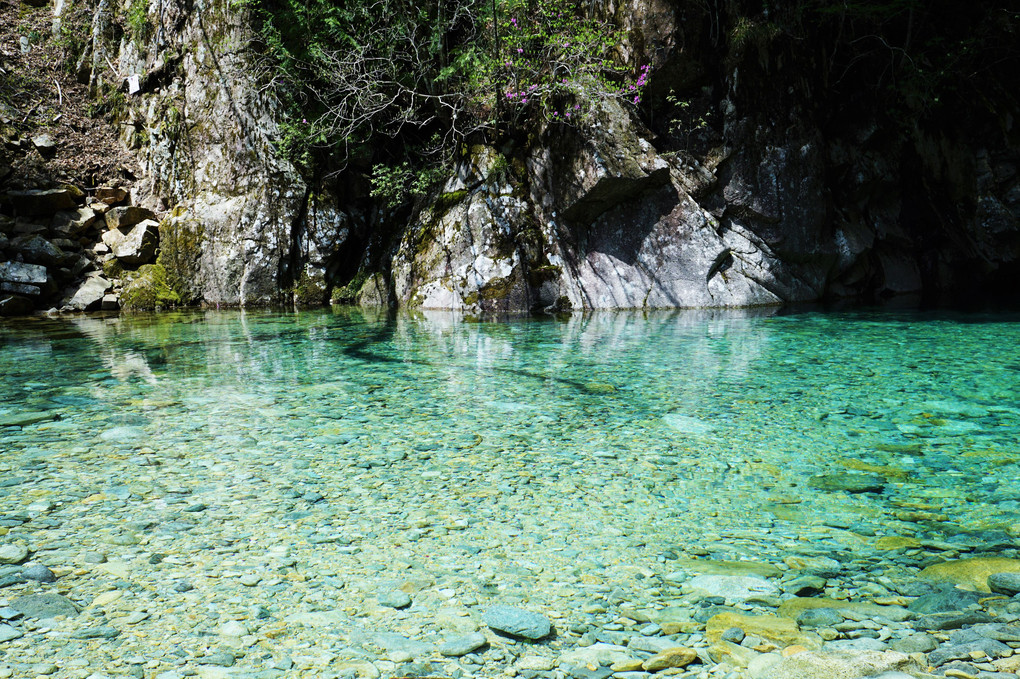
x=769, y=196
x=762, y=169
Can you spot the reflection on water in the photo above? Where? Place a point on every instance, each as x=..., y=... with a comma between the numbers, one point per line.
x=728, y=403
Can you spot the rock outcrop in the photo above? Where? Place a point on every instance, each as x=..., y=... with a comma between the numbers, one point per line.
x=745, y=178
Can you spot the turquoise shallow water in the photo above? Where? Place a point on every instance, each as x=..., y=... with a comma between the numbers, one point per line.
x=721, y=418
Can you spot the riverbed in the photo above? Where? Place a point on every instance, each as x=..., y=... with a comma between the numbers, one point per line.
x=347, y=493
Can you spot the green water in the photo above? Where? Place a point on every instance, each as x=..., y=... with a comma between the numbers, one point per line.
x=709, y=420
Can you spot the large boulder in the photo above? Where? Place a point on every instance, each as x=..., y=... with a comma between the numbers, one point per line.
x=35, y=249
x=135, y=244
x=89, y=294
x=72, y=223
x=19, y=272
x=126, y=216
x=38, y=201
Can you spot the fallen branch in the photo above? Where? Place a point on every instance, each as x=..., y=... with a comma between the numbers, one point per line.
x=31, y=111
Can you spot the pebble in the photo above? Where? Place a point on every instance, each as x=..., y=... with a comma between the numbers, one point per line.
x=517, y=622
x=395, y=599
x=38, y=572
x=13, y=553
x=461, y=646
x=44, y=606
x=8, y=633
x=1004, y=583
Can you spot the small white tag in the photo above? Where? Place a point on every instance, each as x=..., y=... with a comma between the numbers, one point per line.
x=133, y=85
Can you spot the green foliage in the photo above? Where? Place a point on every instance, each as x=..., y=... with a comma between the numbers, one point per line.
x=392, y=185
x=73, y=37
x=354, y=75
x=553, y=61
x=137, y=20
x=684, y=121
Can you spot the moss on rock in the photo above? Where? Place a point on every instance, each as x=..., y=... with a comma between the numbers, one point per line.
x=310, y=289
x=147, y=289
x=180, y=250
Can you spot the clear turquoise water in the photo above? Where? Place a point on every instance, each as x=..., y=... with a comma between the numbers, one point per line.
x=715, y=420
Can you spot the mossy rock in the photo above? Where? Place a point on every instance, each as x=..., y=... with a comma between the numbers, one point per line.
x=970, y=574
x=712, y=567
x=147, y=289
x=112, y=268
x=779, y=630
x=791, y=608
x=180, y=252
x=310, y=289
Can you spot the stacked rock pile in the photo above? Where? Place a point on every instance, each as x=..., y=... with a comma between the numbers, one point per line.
x=65, y=249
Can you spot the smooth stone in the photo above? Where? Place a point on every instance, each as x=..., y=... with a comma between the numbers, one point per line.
x=805, y=585
x=989, y=647
x=44, y=606
x=38, y=572
x=10, y=580
x=950, y=621
x=671, y=657
x=25, y=419
x=792, y=608
x=848, y=482
x=859, y=644
x=831, y=665
x=596, y=655
x=780, y=630
x=734, y=635
x=1004, y=583
x=650, y=644
x=517, y=622
x=13, y=553
x=8, y=633
x=915, y=643
x=971, y=573
x=395, y=599
x=461, y=646
x=944, y=600
x=734, y=588
x=819, y=617
x=819, y=566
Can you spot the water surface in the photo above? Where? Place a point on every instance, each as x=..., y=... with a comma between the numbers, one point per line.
x=708, y=406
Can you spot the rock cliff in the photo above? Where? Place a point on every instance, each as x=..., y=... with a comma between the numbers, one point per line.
x=764, y=165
